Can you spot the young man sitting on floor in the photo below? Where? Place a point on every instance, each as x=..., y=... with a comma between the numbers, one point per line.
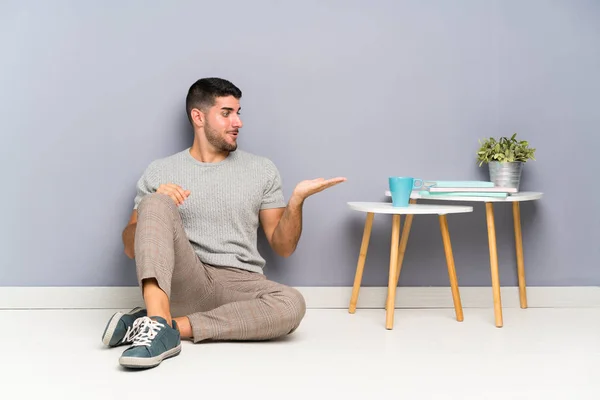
x=193, y=235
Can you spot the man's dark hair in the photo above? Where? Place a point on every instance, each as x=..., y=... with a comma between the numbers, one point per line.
x=203, y=92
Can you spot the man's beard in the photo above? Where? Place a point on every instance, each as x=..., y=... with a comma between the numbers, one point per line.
x=218, y=141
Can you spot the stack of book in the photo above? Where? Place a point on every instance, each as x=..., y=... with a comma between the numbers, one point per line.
x=465, y=188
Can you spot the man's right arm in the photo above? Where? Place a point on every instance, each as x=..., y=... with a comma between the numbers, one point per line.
x=129, y=235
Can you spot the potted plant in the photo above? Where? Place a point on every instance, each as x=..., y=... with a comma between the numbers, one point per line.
x=505, y=158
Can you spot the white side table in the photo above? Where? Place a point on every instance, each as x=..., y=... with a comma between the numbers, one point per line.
x=398, y=248
x=515, y=199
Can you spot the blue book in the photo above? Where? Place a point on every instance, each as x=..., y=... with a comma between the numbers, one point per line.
x=426, y=193
x=496, y=189
x=460, y=184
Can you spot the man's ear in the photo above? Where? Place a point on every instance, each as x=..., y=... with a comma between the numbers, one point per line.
x=198, y=117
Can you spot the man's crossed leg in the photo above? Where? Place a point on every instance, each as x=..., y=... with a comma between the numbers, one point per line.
x=188, y=299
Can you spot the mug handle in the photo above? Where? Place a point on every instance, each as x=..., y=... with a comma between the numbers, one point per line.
x=417, y=186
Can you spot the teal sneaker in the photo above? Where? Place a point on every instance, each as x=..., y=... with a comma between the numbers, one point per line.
x=122, y=327
x=154, y=342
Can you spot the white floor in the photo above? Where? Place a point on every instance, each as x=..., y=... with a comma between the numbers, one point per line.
x=538, y=354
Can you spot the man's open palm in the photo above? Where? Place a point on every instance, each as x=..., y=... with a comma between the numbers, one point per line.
x=309, y=187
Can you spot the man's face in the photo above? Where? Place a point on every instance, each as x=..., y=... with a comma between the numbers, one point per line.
x=222, y=123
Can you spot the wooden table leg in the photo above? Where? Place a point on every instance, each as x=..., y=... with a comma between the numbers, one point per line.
x=391, y=297
x=361, y=262
x=519, y=248
x=404, y=240
x=451, y=268
x=489, y=211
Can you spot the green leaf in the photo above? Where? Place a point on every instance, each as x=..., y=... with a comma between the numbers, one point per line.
x=504, y=149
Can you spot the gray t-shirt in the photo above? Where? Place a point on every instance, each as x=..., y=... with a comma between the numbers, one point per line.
x=221, y=214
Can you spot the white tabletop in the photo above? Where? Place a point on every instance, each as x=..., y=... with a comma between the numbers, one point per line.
x=521, y=196
x=388, y=208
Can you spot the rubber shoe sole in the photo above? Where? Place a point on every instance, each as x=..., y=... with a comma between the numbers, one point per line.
x=112, y=325
x=149, y=362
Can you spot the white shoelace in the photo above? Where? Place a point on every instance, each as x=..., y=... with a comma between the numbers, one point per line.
x=132, y=331
x=147, y=330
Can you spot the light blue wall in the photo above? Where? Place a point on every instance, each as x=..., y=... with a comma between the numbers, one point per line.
x=91, y=93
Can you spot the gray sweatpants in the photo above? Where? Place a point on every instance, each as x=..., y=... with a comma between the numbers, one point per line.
x=221, y=303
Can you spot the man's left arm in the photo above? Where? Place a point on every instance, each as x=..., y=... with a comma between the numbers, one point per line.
x=283, y=226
